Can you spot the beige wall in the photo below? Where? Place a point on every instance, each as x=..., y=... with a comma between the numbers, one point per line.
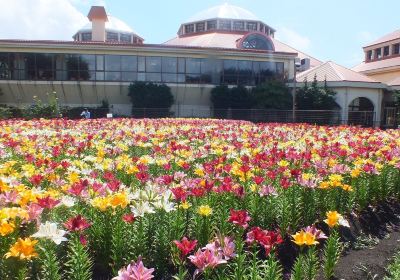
x=385, y=77
x=345, y=95
x=188, y=98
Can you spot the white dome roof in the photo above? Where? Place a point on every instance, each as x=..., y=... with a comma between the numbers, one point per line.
x=113, y=24
x=224, y=11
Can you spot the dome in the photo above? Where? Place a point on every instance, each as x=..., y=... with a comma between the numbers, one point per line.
x=113, y=24
x=224, y=11
x=224, y=18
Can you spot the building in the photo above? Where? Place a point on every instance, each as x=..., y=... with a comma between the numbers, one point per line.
x=382, y=59
x=382, y=63
x=358, y=96
x=222, y=45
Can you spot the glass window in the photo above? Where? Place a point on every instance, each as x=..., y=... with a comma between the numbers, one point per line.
x=169, y=78
x=238, y=25
x=30, y=66
x=61, y=63
x=141, y=77
x=112, y=36
x=230, y=71
x=280, y=70
x=153, y=64
x=386, y=51
x=169, y=65
x=200, y=27
x=264, y=71
x=258, y=42
x=126, y=38
x=72, y=62
x=129, y=63
x=189, y=28
x=87, y=62
x=252, y=26
x=225, y=25
x=153, y=77
x=129, y=76
x=45, y=66
x=181, y=65
x=245, y=72
x=206, y=70
x=100, y=62
x=181, y=78
x=369, y=55
x=141, y=64
x=396, y=49
x=100, y=76
x=193, y=78
x=211, y=24
x=112, y=63
x=378, y=53
x=112, y=76
x=4, y=67
x=87, y=36
x=193, y=65
x=230, y=66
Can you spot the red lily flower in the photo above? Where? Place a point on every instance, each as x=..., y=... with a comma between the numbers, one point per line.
x=128, y=218
x=239, y=217
x=185, y=246
x=77, y=223
x=47, y=202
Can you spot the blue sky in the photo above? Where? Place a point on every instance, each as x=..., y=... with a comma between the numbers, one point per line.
x=327, y=30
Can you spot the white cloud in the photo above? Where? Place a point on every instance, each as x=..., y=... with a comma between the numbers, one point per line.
x=40, y=19
x=294, y=39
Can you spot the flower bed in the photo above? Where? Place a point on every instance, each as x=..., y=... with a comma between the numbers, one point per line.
x=137, y=199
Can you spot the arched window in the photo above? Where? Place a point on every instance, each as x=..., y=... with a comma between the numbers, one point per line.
x=361, y=112
x=256, y=41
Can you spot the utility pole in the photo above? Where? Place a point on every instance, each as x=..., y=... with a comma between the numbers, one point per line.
x=297, y=64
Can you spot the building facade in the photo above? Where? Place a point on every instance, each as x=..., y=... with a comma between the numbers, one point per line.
x=222, y=45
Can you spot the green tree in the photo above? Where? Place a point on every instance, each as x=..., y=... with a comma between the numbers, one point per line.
x=241, y=98
x=220, y=97
x=150, y=95
x=315, y=97
x=273, y=94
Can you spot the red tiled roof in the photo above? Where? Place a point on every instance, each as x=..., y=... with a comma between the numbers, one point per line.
x=229, y=41
x=378, y=65
x=388, y=37
x=332, y=72
x=127, y=45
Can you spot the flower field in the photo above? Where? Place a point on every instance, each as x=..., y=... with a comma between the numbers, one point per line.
x=183, y=199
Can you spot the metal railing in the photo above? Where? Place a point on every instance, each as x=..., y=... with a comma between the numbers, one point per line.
x=320, y=117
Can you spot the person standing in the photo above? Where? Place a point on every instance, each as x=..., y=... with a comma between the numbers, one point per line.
x=85, y=114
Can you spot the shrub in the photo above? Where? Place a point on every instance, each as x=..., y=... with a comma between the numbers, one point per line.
x=150, y=95
x=5, y=113
x=273, y=94
x=315, y=97
x=43, y=110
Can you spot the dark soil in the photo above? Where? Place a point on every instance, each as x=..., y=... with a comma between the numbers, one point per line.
x=371, y=241
x=382, y=223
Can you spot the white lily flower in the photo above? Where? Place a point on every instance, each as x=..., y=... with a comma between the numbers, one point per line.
x=67, y=201
x=343, y=222
x=50, y=231
x=141, y=208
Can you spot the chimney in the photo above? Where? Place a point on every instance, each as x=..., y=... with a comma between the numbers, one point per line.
x=98, y=16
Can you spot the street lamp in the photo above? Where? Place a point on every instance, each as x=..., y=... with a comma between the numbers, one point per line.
x=297, y=64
